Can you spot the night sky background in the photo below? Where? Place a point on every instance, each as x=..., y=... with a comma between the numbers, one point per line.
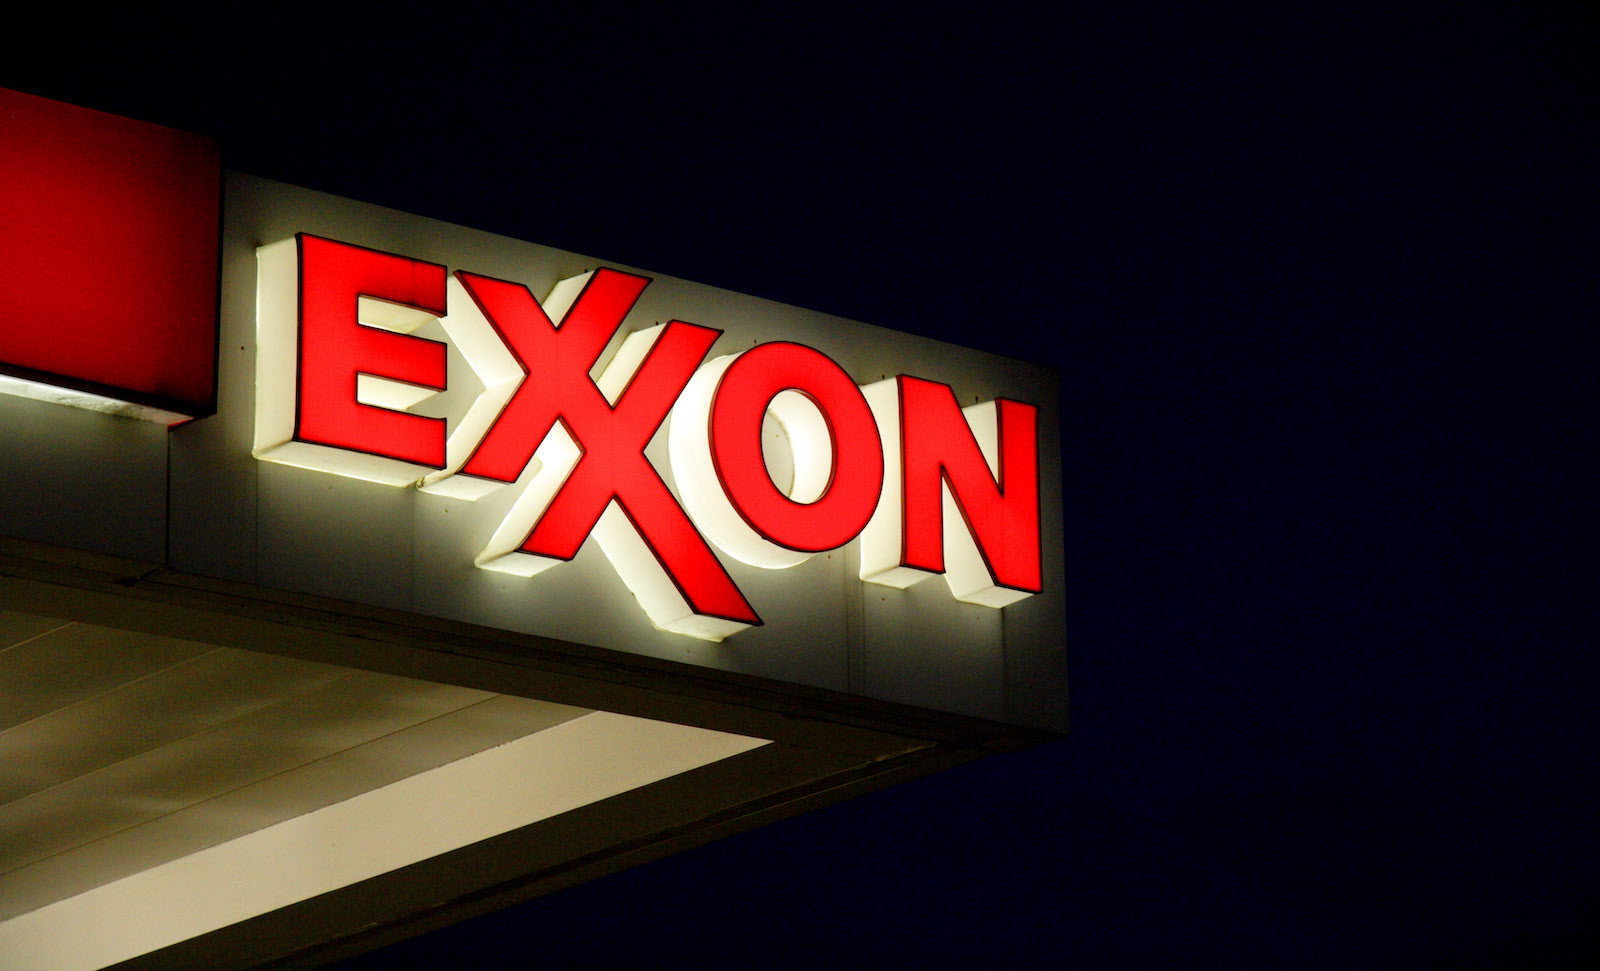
x=1320, y=283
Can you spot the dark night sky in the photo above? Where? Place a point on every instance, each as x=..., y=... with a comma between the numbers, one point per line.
x=1319, y=283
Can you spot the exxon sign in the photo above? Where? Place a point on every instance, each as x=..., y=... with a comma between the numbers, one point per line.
x=929, y=487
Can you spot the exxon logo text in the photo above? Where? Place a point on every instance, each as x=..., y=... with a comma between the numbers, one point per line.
x=930, y=488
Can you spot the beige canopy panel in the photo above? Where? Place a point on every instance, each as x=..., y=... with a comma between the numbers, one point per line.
x=198, y=774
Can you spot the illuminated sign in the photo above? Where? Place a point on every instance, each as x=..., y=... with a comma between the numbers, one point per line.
x=931, y=488
x=108, y=261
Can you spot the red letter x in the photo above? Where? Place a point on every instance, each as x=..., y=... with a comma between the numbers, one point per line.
x=611, y=438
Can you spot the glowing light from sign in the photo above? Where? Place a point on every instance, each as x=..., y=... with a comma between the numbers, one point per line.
x=715, y=447
x=499, y=371
x=20, y=388
x=931, y=488
x=589, y=438
x=336, y=362
x=960, y=495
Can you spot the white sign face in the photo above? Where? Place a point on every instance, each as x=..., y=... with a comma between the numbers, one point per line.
x=930, y=488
